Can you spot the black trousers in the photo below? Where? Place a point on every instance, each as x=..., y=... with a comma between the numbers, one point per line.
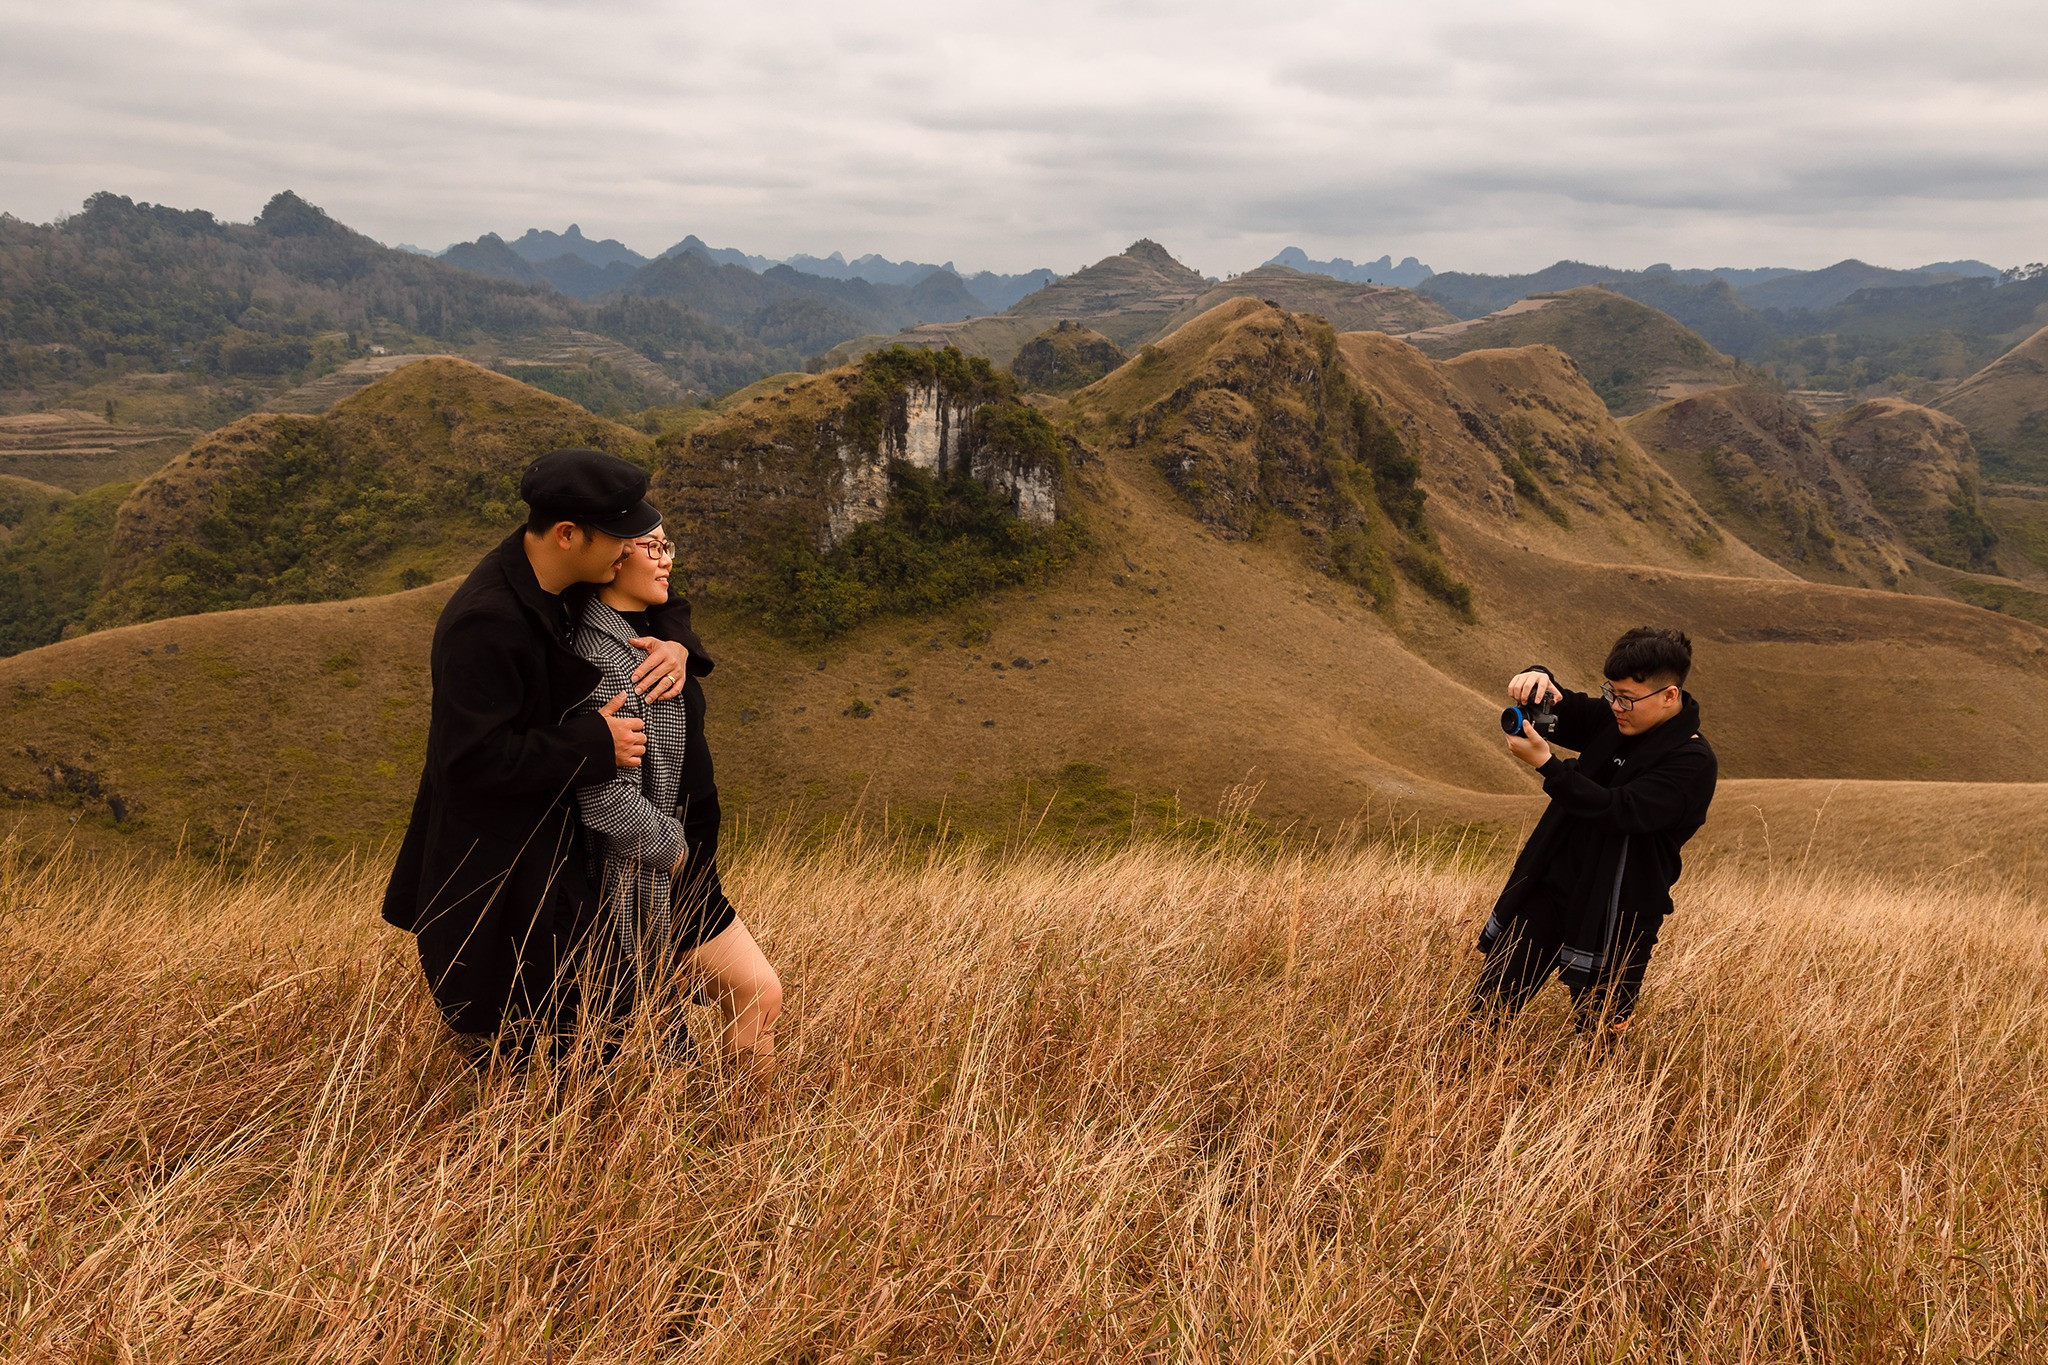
x=1521, y=961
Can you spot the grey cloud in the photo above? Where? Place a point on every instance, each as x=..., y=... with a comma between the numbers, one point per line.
x=1477, y=133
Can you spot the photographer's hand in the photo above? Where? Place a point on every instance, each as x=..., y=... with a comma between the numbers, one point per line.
x=1529, y=746
x=1533, y=686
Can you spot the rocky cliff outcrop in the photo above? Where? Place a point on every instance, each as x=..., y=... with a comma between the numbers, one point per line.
x=813, y=462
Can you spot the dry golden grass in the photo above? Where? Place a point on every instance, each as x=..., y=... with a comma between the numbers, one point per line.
x=1165, y=1104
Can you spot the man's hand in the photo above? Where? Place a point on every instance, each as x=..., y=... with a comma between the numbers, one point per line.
x=663, y=673
x=1529, y=746
x=1534, y=686
x=629, y=733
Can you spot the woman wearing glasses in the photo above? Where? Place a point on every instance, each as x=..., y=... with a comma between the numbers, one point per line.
x=655, y=828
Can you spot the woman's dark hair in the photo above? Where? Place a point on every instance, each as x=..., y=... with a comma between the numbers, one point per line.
x=1648, y=653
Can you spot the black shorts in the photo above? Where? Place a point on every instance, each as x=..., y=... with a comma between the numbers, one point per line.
x=700, y=910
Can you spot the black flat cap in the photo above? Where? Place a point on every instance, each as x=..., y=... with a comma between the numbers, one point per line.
x=591, y=489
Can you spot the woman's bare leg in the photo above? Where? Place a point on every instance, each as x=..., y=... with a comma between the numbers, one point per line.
x=748, y=994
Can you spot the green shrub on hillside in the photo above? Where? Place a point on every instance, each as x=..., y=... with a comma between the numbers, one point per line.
x=601, y=386
x=938, y=543
x=884, y=375
x=51, y=565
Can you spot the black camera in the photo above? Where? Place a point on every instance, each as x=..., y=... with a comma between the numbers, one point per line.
x=1541, y=717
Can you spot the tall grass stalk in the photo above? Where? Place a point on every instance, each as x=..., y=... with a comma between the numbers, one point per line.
x=1165, y=1103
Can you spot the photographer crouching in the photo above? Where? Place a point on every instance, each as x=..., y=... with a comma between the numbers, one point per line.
x=1593, y=884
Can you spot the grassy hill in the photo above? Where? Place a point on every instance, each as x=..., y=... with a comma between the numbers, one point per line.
x=1180, y=655
x=1761, y=466
x=2005, y=406
x=1851, y=329
x=1064, y=357
x=1144, y=293
x=1888, y=494
x=1347, y=306
x=399, y=485
x=1634, y=356
x=1130, y=298
x=53, y=556
x=1922, y=473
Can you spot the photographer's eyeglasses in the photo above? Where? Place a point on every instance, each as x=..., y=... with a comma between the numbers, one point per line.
x=1623, y=700
x=660, y=551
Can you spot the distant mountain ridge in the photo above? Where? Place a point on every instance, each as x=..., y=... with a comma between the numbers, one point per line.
x=1470, y=295
x=575, y=265
x=1409, y=273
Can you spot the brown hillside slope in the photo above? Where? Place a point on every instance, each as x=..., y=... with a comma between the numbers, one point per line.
x=1634, y=356
x=81, y=450
x=2005, y=406
x=1170, y=661
x=1757, y=462
x=1303, y=696
x=1922, y=474
x=1065, y=357
x=1518, y=439
x=404, y=482
x=1348, y=307
x=1129, y=298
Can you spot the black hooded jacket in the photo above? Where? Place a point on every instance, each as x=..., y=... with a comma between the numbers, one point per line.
x=490, y=875
x=1619, y=814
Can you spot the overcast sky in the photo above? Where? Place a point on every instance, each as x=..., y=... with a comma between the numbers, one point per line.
x=1474, y=134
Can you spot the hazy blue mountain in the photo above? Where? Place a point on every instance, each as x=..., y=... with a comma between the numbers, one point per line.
x=993, y=289
x=1409, y=273
x=796, y=307
x=693, y=245
x=1000, y=291
x=579, y=279
x=490, y=256
x=873, y=268
x=537, y=246
x=1969, y=270
x=1765, y=289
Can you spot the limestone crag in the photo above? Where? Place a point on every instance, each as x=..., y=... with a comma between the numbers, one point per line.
x=813, y=461
x=935, y=434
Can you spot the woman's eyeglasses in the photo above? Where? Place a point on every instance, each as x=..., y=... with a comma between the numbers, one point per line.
x=660, y=551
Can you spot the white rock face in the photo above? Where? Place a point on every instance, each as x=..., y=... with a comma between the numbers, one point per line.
x=934, y=431
x=863, y=494
x=1033, y=494
x=931, y=435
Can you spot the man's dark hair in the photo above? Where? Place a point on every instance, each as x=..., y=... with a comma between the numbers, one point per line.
x=540, y=521
x=1648, y=653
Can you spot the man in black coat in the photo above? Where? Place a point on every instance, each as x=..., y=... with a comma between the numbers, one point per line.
x=1593, y=884
x=490, y=877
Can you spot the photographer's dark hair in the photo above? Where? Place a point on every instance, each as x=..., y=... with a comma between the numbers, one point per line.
x=1648, y=653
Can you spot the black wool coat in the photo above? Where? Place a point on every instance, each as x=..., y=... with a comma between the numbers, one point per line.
x=490, y=877
x=1653, y=797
